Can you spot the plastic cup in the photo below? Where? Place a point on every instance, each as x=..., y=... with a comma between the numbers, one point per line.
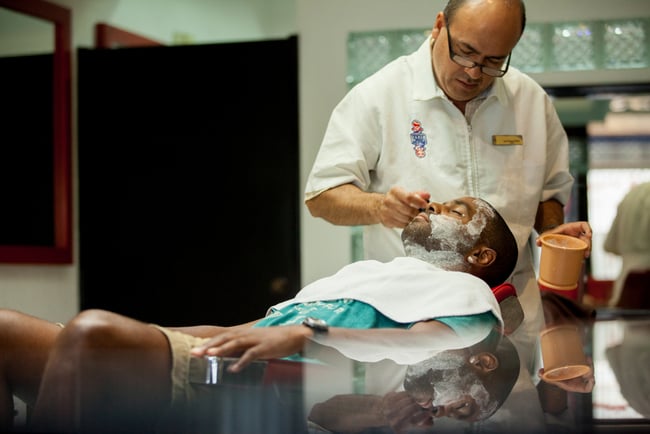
x=560, y=263
x=569, y=291
x=562, y=353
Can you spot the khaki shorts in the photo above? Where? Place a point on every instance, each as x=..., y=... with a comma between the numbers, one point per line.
x=184, y=366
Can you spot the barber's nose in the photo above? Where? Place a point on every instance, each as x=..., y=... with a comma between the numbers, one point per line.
x=474, y=72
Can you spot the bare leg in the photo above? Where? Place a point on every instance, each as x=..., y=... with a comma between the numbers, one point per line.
x=25, y=343
x=106, y=373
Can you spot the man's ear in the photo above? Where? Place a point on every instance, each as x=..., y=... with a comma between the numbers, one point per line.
x=484, y=362
x=482, y=256
x=437, y=26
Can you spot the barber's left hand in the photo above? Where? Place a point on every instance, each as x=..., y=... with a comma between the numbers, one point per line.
x=580, y=229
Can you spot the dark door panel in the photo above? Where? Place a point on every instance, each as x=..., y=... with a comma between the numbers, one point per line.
x=188, y=180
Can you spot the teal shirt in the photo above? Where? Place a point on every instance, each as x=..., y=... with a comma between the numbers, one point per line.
x=355, y=314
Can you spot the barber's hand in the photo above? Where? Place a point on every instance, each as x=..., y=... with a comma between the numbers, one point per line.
x=399, y=206
x=580, y=229
x=582, y=384
x=403, y=413
x=255, y=343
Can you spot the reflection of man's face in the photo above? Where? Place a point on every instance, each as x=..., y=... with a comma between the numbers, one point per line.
x=449, y=386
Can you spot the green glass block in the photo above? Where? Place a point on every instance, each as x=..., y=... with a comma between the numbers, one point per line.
x=565, y=46
x=356, y=243
x=573, y=47
x=626, y=44
x=410, y=40
x=578, y=156
x=528, y=55
x=367, y=53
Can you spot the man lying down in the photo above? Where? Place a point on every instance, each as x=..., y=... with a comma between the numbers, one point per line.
x=103, y=370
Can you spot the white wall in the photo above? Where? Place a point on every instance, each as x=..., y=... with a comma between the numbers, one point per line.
x=322, y=26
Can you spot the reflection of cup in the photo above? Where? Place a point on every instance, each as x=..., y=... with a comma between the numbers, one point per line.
x=562, y=353
x=561, y=259
x=569, y=291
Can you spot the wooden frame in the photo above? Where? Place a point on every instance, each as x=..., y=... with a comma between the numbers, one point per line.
x=61, y=251
x=107, y=36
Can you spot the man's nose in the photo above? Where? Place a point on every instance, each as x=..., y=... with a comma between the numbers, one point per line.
x=474, y=72
x=436, y=207
x=441, y=411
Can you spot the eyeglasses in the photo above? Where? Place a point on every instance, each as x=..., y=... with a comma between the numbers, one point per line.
x=468, y=63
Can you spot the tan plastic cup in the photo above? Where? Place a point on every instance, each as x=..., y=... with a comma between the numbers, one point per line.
x=569, y=291
x=562, y=353
x=560, y=262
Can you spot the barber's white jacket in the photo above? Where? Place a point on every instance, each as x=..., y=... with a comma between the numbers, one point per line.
x=398, y=128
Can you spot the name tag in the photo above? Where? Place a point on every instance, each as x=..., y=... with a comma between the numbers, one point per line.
x=507, y=140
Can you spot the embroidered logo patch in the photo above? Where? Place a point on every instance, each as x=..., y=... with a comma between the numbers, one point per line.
x=418, y=139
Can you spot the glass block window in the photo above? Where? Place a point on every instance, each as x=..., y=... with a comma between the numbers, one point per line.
x=369, y=51
x=544, y=47
x=529, y=52
x=626, y=44
x=573, y=47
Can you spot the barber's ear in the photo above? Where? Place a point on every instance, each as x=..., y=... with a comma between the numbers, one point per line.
x=438, y=25
x=482, y=256
x=484, y=362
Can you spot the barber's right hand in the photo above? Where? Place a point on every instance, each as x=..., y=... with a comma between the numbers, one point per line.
x=399, y=206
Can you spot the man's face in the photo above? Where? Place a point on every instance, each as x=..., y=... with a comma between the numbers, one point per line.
x=447, y=230
x=482, y=33
x=449, y=386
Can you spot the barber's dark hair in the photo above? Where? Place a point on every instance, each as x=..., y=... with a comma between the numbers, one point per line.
x=453, y=6
x=498, y=236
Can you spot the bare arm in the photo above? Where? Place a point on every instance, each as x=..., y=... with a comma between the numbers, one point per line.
x=207, y=331
x=348, y=205
x=255, y=343
x=549, y=214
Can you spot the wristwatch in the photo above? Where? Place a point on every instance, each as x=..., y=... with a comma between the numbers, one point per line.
x=319, y=326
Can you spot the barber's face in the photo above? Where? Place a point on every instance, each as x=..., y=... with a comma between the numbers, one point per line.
x=448, y=386
x=483, y=37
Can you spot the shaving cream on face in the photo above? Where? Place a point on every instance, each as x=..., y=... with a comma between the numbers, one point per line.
x=449, y=380
x=449, y=238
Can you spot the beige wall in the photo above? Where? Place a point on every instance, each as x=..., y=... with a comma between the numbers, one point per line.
x=322, y=26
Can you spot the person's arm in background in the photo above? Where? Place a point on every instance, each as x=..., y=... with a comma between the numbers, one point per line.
x=550, y=219
x=348, y=205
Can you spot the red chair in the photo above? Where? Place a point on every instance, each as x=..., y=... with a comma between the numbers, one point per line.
x=511, y=310
x=636, y=291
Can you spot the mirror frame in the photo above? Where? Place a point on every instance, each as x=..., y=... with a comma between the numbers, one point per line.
x=61, y=251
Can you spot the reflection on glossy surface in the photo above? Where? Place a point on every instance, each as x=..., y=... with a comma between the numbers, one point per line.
x=467, y=384
x=622, y=364
x=343, y=395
